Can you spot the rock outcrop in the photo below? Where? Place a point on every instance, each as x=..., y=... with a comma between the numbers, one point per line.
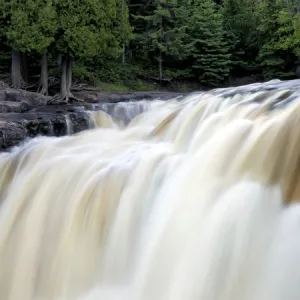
x=26, y=114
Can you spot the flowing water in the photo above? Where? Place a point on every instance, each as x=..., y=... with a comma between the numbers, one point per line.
x=195, y=199
x=70, y=129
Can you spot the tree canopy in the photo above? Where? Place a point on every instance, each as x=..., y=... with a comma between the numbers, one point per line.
x=206, y=41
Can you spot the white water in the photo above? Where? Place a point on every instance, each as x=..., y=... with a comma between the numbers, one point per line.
x=70, y=129
x=192, y=200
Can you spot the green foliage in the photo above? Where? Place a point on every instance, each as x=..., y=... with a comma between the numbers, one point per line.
x=86, y=27
x=117, y=87
x=203, y=40
x=125, y=28
x=241, y=20
x=81, y=73
x=276, y=31
x=30, y=24
x=137, y=85
x=208, y=46
x=113, y=71
x=288, y=31
x=165, y=30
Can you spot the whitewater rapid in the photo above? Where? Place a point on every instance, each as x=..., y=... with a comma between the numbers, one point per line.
x=189, y=199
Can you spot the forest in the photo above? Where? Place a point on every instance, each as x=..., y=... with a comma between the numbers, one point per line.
x=46, y=43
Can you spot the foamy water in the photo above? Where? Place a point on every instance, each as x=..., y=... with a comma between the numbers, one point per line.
x=195, y=199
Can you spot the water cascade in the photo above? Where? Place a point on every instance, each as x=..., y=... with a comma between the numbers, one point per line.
x=124, y=112
x=196, y=199
x=69, y=125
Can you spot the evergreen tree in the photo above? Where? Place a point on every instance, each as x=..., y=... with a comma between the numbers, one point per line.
x=206, y=39
x=289, y=30
x=208, y=46
x=30, y=27
x=241, y=21
x=86, y=28
x=273, y=61
x=139, y=11
x=125, y=27
x=164, y=31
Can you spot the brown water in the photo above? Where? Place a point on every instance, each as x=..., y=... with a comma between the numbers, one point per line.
x=191, y=200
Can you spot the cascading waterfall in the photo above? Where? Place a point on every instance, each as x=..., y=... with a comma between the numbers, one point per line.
x=69, y=125
x=195, y=199
x=124, y=112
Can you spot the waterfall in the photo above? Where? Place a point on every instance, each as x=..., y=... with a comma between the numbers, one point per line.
x=69, y=125
x=123, y=112
x=192, y=199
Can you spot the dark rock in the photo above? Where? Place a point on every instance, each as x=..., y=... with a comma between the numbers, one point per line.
x=3, y=85
x=8, y=106
x=114, y=97
x=30, y=98
x=11, y=134
x=25, y=114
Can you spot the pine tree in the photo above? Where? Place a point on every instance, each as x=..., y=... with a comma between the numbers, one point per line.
x=208, y=46
x=164, y=31
x=241, y=21
x=125, y=27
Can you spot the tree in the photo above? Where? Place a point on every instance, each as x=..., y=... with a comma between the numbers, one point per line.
x=165, y=31
x=241, y=20
x=274, y=62
x=125, y=27
x=289, y=30
x=86, y=28
x=208, y=46
x=30, y=28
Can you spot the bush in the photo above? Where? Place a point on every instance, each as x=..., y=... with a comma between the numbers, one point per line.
x=81, y=73
x=115, y=72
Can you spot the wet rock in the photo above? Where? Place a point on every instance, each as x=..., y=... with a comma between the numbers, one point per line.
x=114, y=97
x=11, y=134
x=8, y=107
x=15, y=127
x=26, y=114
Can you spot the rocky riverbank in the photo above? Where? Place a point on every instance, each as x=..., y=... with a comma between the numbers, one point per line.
x=25, y=114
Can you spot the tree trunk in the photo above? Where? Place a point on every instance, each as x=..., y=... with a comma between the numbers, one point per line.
x=16, y=74
x=63, y=77
x=123, y=48
x=66, y=81
x=123, y=53
x=44, y=75
x=160, y=53
x=24, y=62
x=69, y=73
x=160, y=66
x=59, y=58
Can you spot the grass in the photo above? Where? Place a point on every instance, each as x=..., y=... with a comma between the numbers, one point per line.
x=112, y=87
x=137, y=85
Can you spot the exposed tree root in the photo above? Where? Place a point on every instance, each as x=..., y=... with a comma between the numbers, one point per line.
x=42, y=90
x=25, y=86
x=63, y=99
